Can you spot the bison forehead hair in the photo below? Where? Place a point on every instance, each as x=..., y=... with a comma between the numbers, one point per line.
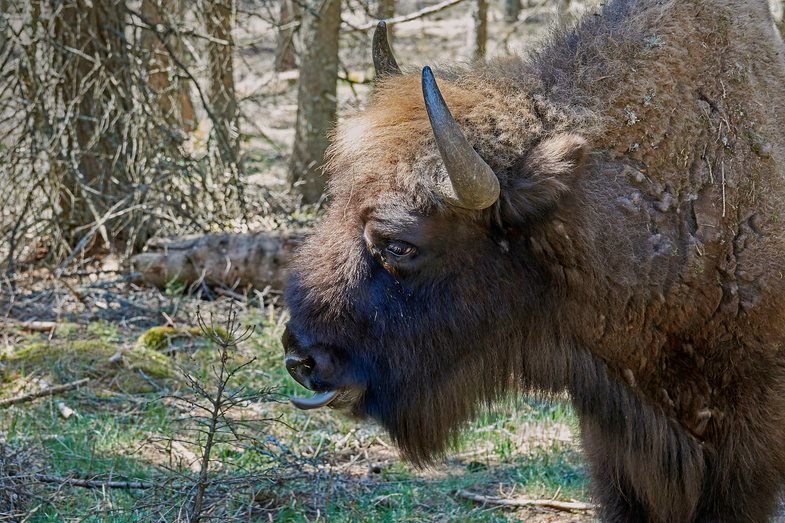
x=604, y=217
x=390, y=145
x=394, y=128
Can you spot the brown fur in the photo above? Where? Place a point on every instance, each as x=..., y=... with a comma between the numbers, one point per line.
x=636, y=257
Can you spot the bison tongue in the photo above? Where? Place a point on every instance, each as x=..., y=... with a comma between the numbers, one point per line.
x=320, y=399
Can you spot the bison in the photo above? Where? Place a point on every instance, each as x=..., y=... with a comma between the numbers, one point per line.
x=604, y=217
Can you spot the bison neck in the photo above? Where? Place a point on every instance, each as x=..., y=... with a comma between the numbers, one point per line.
x=666, y=259
x=663, y=298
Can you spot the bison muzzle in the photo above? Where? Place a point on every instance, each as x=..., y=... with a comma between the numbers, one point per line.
x=605, y=217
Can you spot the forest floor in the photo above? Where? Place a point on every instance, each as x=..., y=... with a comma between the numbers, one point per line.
x=131, y=442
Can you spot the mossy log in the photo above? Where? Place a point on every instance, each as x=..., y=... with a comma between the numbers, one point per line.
x=235, y=261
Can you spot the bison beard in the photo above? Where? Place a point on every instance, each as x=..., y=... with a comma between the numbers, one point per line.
x=605, y=217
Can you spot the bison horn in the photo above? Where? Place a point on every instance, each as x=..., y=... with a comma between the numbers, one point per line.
x=383, y=59
x=471, y=183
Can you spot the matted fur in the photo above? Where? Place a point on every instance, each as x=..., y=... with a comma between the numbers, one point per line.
x=635, y=258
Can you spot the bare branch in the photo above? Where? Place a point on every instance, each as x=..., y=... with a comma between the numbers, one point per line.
x=93, y=483
x=524, y=502
x=426, y=11
x=50, y=391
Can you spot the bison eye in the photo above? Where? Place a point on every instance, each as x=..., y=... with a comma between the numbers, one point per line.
x=400, y=249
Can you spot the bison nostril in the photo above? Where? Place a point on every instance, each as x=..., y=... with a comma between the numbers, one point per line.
x=300, y=368
x=294, y=362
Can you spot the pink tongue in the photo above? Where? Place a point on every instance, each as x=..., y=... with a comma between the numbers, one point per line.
x=320, y=399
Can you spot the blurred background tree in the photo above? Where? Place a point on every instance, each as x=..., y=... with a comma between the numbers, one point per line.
x=91, y=94
x=316, y=95
x=173, y=91
x=219, y=19
x=288, y=21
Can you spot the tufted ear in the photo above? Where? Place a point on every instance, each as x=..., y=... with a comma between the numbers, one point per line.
x=542, y=178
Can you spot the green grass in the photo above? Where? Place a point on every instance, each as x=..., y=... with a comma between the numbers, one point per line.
x=293, y=466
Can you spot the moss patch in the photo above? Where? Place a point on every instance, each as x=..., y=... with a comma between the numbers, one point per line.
x=129, y=371
x=163, y=338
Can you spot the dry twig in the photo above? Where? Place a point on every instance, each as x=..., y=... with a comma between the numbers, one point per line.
x=94, y=483
x=49, y=391
x=420, y=13
x=441, y=6
x=524, y=502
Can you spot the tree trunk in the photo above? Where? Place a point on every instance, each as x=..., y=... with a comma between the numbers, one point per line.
x=173, y=91
x=316, y=96
x=219, y=18
x=285, y=56
x=225, y=260
x=97, y=30
x=479, y=37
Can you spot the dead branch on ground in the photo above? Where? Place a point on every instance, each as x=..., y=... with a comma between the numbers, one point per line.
x=49, y=391
x=32, y=326
x=94, y=483
x=524, y=502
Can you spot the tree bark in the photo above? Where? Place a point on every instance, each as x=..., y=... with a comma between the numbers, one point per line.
x=226, y=260
x=479, y=37
x=316, y=96
x=97, y=30
x=285, y=56
x=219, y=18
x=173, y=91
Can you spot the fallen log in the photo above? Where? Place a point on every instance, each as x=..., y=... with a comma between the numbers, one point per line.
x=235, y=261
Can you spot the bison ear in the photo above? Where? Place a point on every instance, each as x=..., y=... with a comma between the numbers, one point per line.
x=542, y=178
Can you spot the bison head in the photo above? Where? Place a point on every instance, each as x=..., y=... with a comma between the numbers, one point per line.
x=423, y=295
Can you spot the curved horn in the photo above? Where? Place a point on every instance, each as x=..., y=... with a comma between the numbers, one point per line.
x=472, y=183
x=383, y=59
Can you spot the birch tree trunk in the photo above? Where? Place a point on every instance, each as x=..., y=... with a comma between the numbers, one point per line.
x=225, y=260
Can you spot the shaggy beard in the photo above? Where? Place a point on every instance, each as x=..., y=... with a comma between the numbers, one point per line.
x=425, y=411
